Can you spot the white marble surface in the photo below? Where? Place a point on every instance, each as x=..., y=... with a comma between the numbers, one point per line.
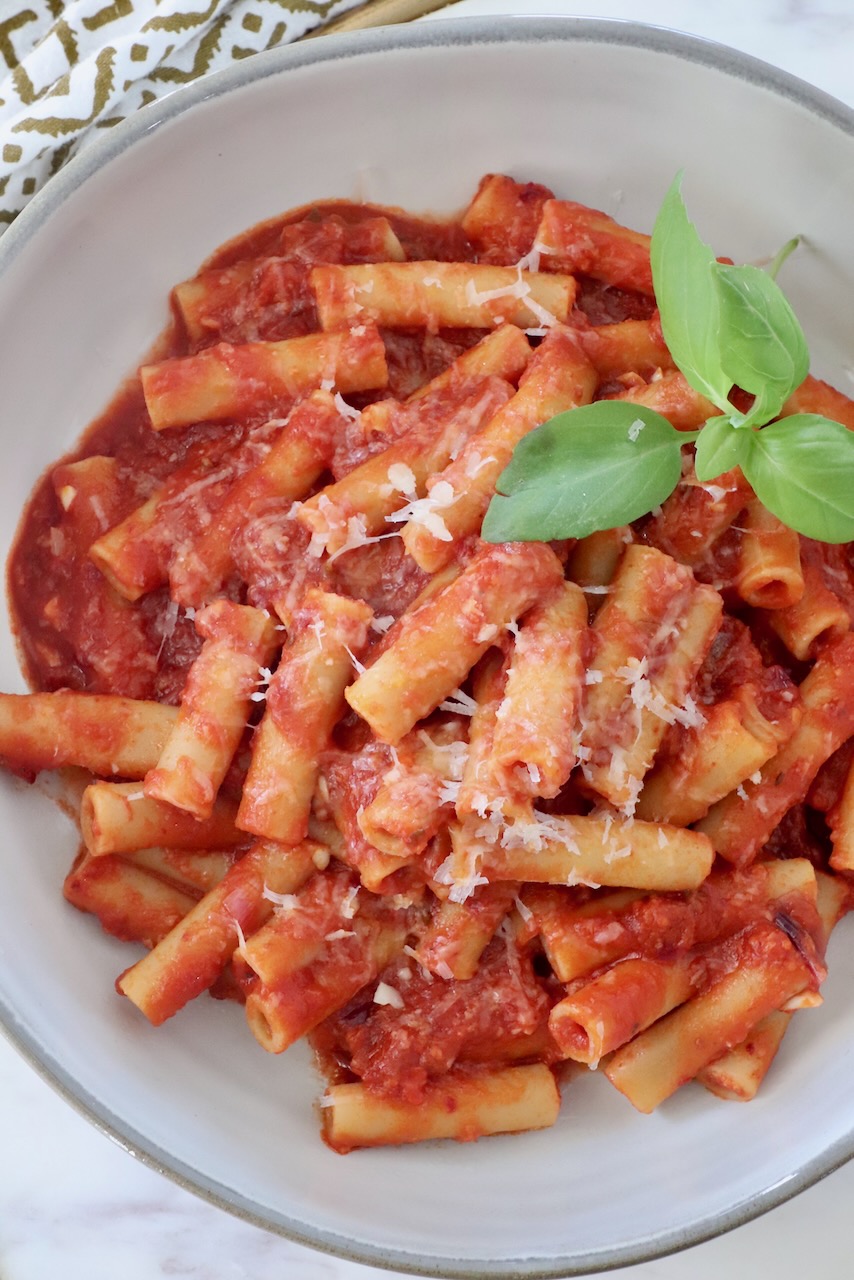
x=73, y=1204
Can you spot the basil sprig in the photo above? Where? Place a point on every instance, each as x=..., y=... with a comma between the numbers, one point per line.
x=609, y=463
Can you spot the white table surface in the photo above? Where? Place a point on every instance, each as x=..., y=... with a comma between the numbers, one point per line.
x=74, y=1205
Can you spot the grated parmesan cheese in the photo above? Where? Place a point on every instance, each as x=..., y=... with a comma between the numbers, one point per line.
x=350, y=906
x=476, y=463
x=487, y=632
x=462, y=889
x=266, y=676
x=449, y=792
x=241, y=936
x=610, y=933
x=346, y=410
x=425, y=511
x=574, y=879
x=357, y=536
x=386, y=994
x=531, y=260
x=646, y=698
x=402, y=478
x=460, y=702
x=524, y=911
x=615, y=855
x=168, y=622
x=413, y=954
x=358, y=666
x=287, y=901
x=519, y=288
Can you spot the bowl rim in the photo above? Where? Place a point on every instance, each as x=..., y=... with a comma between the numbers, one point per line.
x=47, y=203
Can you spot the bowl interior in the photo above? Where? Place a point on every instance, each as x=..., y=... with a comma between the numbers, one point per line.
x=603, y=113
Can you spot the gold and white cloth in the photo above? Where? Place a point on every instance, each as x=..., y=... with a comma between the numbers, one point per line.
x=69, y=69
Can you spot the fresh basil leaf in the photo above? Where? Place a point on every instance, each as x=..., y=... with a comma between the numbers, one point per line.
x=592, y=468
x=720, y=447
x=763, y=346
x=802, y=469
x=782, y=254
x=686, y=290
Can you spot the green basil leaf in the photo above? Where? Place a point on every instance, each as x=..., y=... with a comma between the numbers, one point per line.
x=802, y=469
x=592, y=468
x=686, y=290
x=782, y=254
x=763, y=346
x=720, y=447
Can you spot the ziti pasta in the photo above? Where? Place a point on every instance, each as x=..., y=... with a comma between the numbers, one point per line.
x=465, y=814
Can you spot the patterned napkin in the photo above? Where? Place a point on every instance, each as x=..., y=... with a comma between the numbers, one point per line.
x=71, y=68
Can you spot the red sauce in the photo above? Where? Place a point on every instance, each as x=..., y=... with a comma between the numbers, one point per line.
x=734, y=662
x=73, y=630
x=396, y=1052
x=76, y=631
x=67, y=616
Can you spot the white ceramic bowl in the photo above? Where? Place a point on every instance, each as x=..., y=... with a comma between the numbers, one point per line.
x=604, y=113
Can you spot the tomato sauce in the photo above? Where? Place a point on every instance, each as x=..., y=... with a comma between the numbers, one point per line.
x=397, y=1052
x=74, y=631
x=81, y=630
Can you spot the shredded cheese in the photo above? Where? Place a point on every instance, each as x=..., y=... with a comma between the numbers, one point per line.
x=425, y=511
x=241, y=936
x=413, y=954
x=350, y=906
x=286, y=901
x=358, y=666
x=524, y=911
x=459, y=701
x=346, y=410
x=357, y=536
x=461, y=889
x=386, y=994
x=449, y=792
x=402, y=478
x=646, y=698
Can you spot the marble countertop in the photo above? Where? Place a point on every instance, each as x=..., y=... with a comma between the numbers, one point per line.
x=75, y=1205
